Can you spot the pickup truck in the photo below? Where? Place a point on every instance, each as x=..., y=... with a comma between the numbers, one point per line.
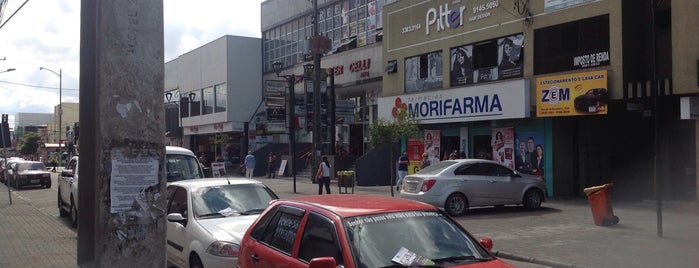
x=180, y=163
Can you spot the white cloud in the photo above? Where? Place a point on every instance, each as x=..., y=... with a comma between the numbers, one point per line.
x=47, y=34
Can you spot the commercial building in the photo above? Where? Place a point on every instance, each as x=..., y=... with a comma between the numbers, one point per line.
x=214, y=92
x=353, y=60
x=595, y=87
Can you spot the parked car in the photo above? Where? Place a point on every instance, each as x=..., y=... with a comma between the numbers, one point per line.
x=68, y=191
x=180, y=164
x=360, y=231
x=457, y=185
x=593, y=101
x=26, y=173
x=5, y=169
x=206, y=218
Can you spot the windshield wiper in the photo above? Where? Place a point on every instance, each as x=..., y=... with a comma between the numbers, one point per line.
x=252, y=211
x=416, y=266
x=211, y=215
x=460, y=258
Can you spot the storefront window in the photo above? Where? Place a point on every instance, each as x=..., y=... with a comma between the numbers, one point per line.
x=423, y=72
x=557, y=48
x=208, y=100
x=221, y=97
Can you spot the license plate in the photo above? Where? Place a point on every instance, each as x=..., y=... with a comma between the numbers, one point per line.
x=412, y=187
x=35, y=181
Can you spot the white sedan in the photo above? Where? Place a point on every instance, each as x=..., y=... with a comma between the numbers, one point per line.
x=208, y=217
x=456, y=185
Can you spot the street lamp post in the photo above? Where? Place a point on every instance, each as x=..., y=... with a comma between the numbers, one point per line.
x=168, y=96
x=60, y=101
x=291, y=81
x=8, y=70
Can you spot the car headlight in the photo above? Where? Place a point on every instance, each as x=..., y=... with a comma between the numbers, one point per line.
x=223, y=249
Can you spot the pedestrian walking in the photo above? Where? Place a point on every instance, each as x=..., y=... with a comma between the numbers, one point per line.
x=323, y=176
x=249, y=164
x=270, y=165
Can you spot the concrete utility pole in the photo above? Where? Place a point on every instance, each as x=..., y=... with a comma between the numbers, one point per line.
x=121, y=219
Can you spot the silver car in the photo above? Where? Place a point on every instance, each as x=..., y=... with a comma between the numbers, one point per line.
x=456, y=185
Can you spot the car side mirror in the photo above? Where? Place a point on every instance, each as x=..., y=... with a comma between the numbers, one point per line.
x=487, y=243
x=67, y=173
x=322, y=262
x=177, y=217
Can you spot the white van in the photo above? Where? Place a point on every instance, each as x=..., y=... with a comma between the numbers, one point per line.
x=180, y=163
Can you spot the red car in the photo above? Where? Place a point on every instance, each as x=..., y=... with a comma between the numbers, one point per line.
x=360, y=231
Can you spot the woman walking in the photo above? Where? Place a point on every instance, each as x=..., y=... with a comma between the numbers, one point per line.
x=323, y=176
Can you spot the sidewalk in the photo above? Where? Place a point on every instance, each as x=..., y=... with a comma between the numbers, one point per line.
x=31, y=238
x=561, y=234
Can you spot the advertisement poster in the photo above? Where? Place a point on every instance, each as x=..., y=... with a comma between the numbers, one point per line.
x=572, y=94
x=503, y=146
x=415, y=149
x=218, y=169
x=432, y=145
x=529, y=157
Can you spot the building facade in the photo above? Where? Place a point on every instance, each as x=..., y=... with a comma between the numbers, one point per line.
x=215, y=93
x=580, y=92
x=354, y=60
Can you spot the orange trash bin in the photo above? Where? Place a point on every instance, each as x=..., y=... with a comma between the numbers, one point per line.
x=600, y=198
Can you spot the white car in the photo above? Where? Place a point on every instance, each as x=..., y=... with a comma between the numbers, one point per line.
x=180, y=164
x=207, y=218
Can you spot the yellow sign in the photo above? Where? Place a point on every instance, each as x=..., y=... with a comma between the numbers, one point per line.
x=572, y=94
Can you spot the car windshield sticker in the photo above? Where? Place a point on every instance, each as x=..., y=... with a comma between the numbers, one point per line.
x=390, y=216
x=409, y=258
x=286, y=228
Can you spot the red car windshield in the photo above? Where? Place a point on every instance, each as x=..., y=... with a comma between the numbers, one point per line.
x=377, y=239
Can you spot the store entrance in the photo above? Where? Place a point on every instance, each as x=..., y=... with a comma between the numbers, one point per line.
x=449, y=145
x=481, y=147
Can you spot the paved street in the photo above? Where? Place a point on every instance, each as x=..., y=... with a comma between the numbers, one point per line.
x=561, y=234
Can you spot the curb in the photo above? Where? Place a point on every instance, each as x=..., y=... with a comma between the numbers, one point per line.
x=548, y=263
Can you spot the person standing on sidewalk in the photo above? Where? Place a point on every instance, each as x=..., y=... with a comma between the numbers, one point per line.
x=249, y=164
x=270, y=165
x=323, y=176
x=402, y=168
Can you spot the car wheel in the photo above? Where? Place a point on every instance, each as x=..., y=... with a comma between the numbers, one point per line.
x=61, y=212
x=48, y=185
x=195, y=262
x=532, y=199
x=73, y=214
x=456, y=204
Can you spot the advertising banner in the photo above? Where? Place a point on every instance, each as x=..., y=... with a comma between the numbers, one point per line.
x=415, y=149
x=495, y=101
x=529, y=157
x=503, y=146
x=572, y=94
x=432, y=145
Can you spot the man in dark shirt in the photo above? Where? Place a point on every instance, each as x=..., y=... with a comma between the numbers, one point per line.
x=402, y=168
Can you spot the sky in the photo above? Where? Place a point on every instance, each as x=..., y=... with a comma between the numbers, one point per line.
x=46, y=34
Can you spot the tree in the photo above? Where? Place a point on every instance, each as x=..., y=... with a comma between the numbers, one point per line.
x=219, y=140
x=29, y=143
x=392, y=131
